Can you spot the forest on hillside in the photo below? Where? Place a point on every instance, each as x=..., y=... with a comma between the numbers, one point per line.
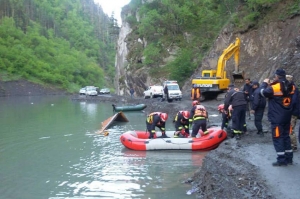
x=66, y=43
x=179, y=33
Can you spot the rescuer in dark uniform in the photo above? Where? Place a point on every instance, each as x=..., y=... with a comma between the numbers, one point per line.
x=198, y=116
x=280, y=94
x=181, y=121
x=258, y=106
x=238, y=101
x=156, y=119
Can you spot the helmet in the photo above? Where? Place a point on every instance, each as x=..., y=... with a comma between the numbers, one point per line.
x=186, y=114
x=164, y=117
x=220, y=107
x=195, y=103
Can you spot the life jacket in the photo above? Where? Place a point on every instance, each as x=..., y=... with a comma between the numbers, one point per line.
x=150, y=117
x=195, y=93
x=200, y=111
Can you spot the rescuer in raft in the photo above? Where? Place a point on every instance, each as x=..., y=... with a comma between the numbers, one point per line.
x=181, y=121
x=156, y=119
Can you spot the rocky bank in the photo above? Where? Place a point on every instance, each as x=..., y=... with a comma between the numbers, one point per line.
x=236, y=169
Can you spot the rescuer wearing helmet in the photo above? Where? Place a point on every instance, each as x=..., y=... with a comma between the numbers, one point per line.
x=195, y=102
x=198, y=115
x=156, y=119
x=182, y=124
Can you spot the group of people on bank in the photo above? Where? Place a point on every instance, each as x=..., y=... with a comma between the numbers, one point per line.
x=182, y=122
x=282, y=96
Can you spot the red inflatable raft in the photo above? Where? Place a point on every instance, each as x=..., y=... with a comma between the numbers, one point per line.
x=138, y=140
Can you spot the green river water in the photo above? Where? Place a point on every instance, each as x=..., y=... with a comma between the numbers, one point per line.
x=49, y=148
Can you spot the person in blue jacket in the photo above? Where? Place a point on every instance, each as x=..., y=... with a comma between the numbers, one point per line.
x=258, y=106
x=280, y=107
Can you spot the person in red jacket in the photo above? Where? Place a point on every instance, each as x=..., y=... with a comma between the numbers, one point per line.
x=156, y=119
x=181, y=121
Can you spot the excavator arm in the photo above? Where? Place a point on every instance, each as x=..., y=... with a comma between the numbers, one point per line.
x=232, y=49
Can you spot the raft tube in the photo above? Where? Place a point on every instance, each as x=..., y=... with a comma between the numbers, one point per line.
x=138, y=140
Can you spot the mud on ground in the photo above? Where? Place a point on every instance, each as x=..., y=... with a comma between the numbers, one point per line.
x=236, y=169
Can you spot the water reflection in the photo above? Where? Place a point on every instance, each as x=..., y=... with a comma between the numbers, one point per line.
x=53, y=152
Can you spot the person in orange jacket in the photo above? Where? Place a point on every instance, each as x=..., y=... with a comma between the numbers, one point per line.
x=195, y=93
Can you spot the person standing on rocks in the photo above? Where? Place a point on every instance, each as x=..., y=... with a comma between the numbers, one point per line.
x=280, y=107
x=156, y=119
x=131, y=92
x=166, y=92
x=237, y=99
x=247, y=89
x=295, y=114
x=258, y=106
x=195, y=93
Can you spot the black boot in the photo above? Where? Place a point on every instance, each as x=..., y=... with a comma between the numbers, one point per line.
x=261, y=133
x=279, y=164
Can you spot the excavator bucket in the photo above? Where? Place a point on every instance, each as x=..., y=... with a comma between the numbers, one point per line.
x=238, y=76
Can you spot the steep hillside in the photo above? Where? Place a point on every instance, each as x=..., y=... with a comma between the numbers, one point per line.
x=269, y=40
x=263, y=50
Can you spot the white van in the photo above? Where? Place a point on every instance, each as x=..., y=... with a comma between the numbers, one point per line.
x=173, y=90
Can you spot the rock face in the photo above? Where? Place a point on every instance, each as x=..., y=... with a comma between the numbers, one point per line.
x=263, y=50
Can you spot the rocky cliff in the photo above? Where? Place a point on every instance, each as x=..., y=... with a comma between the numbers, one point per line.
x=272, y=45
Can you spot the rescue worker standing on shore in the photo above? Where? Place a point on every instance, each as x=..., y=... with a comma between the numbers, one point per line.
x=280, y=94
x=198, y=116
x=237, y=99
x=258, y=107
x=156, y=119
x=181, y=121
x=195, y=93
x=295, y=114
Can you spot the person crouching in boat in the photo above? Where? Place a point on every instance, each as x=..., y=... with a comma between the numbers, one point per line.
x=198, y=115
x=181, y=121
x=156, y=119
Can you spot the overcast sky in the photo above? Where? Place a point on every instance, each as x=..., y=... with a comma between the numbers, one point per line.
x=115, y=6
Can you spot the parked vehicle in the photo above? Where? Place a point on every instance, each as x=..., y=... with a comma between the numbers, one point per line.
x=153, y=92
x=104, y=91
x=174, y=92
x=91, y=91
x=82, y=91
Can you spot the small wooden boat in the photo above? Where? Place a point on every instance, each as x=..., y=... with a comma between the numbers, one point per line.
x=138, y=140
x=137, y=107
x=109, y=121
